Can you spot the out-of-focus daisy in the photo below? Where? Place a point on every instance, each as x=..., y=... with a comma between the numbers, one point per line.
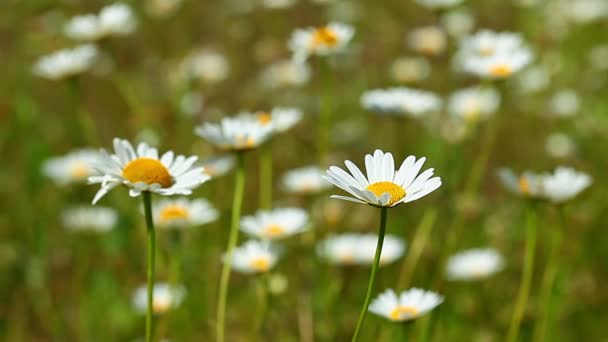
x=116, y=19
x=533, y=79
x=142, y=170
x=241, y=133
x=280, y=118
x=66, y=63
x=401, y=101
x=275, y=224
x=74, y=167
x=89, y=219
x=409, y=305
x=359, y=249
x=182, y=212
x=564, y=103
x=410, y=69
x=206, y=65
x=218, y=166
x=306, y=180
x=458, y=23
x=474, y=264
x=585, y=11
x=488, y=43
x=285, y=73
x=254, y=257
x=438, y=4
x=528, y=184
x=429, y=40
x=162, y=8
x=498, y=66
x=559, y=145
x=320, y=41
x=473, y=104
x=564, y=184
x=384, y=185
x=164, y=298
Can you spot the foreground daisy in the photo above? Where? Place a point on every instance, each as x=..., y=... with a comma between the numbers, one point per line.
x=182, y=212
x=66, y=63
x=320, y=41
x=254, y=257
x=235, y=134
x=275, y=224
x=473, y=104
x=401, y=101
x=166, y=297
x=360, y=249
x=384, y=186
x=89, y=219
x=564, y=184
x=474, y=264
x=406, y=306
x=142, y=170
x=305, y=180
x=117, y=19
x=74, y=167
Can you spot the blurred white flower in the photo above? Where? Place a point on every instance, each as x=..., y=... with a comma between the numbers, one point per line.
x=235, y=134
x=320, y=41
x=359, y=249
x=533, y=79
x=89, y=219
x=564, y=103
x=275, y=224
x=285, y=73
x=254, y=257
x=473, y=104
x=409, y=305
x=458, y=23
x=306, y=180
x=183, y=213
x=474, y=264
x=585, y=11
x=74, y=167
x=429, y=40
x=278, y=4
x=559, y=145
x=164, y=298
x=498, y=66
x=218, y=166
x=66, y=63
x=438, y=4
x=205, y=65
x=280, y=118
x=162, y=8
x=401, y=101
x=564, y=184
x=528, y=184
x=116, y=19
x=410, y=69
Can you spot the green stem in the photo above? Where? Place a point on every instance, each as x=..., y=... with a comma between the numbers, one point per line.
x=480, y=164
x=326, y=111
x=265, y=177
x=526, y=279
x=415, y=251
x=237, y=201
x=262, y=292
x=146, y=196
x=372, y=277
x=549, y=279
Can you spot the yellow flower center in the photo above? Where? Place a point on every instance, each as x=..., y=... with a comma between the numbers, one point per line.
x=161, y=304
x=399, y=312
x=79, y=170
x=244, y=142
x=264, y=118
x=395, y=191
x=147, y=170
x=260, y=264
x=324, y=36
x=501, y=70
x=274, y=230
x=524, y=185
x=174, y=212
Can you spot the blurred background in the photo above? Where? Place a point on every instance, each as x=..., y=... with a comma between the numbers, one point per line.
x=185, y=62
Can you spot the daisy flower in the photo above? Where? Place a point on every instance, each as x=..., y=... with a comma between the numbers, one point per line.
x=93, y=219
x=320, y=41
x=528, y=184
x=409, y=305
x=473, y=104
x=498, y=66
x=66, y=63
x=564, y=184
x=487, y=43
x=474, y=264
x=218, y=166
x=359, y=249
x=429, y=40
x=254, y=257
x=401, y=101
x=235, y=134
x=206, y=65
x=281, y=119
x=275, y=224
x=438, y=4
x=305, y=180
x=142, y=170
x=117, y=19
x=74, y=167
x=182, y=212
x=164, y=298
x=384, y=186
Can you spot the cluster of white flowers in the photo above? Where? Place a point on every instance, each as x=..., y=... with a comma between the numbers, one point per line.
x=117, y=19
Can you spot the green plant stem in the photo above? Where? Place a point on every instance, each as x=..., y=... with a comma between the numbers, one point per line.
x=265, y=174
x=418, y=243
x=146, y=196
x=326, y=112
x=372, y=277
x=526, y=279
x=548, y=281
x=237, y=201
x=262, y=293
